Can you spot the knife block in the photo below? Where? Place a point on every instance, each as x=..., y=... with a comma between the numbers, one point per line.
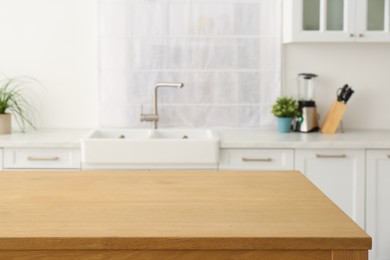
x=333, y=118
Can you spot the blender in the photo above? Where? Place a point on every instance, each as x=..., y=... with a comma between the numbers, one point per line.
x=307, y=121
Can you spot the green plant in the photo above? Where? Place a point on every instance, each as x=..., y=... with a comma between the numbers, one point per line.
x=285, y=107
x=14, y=100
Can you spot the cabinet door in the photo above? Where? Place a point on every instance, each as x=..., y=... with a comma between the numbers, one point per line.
x=340, y=174
x=373, y=23
x=378, y=203
x=319, y=20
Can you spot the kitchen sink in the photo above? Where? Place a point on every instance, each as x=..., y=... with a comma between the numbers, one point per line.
x=150, y=147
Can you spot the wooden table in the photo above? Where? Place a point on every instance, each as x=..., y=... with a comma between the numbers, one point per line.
x=172, y=215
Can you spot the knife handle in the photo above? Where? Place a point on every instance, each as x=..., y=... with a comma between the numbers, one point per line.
x=348, y=95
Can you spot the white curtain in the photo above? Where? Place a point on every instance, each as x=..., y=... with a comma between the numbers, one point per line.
x=226, y=52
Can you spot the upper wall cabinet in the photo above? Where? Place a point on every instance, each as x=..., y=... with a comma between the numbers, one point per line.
x=336, y=21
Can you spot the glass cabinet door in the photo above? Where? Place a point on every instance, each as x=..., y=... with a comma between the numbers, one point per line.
x=374, y=21
x=335, y=15
x=311, y=15
x=376, y=15
x=323, y=15
x=325, y=20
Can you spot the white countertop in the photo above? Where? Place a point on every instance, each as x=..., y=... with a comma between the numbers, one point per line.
x=354, y=139
x=230, y=138
x=44, y=138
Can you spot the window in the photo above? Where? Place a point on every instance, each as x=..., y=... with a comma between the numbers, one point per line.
x=226, y=52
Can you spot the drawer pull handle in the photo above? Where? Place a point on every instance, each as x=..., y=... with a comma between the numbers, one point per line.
x=244, y=159
x=388, y=156
x=331, y=156
x=31, y=158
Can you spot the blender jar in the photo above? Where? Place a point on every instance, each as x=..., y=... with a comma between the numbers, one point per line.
x=306, y=82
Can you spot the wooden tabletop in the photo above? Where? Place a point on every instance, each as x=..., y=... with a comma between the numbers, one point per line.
x=170, y=210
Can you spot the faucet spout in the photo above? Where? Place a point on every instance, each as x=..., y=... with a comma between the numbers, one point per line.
x=155, y=97
x=154, y=117
x=169, y=85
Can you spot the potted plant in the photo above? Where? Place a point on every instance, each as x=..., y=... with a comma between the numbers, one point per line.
x=14, y=102
x=285, y=109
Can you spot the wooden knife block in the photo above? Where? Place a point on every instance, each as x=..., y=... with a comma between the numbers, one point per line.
x=333, y=118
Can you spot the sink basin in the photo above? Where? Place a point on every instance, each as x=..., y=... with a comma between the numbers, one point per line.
x=190, y=134
x=120, y=134
x=148, y=147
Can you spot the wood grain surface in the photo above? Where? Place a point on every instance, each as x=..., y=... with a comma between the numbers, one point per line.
x=171, y=210
x=167, y=254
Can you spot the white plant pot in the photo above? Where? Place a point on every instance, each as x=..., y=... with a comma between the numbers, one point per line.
x=5, y=123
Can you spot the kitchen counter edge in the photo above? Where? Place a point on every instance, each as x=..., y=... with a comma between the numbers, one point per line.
x=229, y=139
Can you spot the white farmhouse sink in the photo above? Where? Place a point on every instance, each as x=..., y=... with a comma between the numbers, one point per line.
x=144, y=146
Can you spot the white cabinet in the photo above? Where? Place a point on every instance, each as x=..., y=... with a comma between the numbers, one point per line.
x=378, y=203
x=340, y=174
x=256, y=159
x=336, y=21
x=41, y=158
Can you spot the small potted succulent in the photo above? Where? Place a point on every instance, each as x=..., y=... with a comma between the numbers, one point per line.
x=285, y=109
x=14, y=102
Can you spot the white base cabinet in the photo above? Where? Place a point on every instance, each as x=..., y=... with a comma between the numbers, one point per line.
x=378, y=203
x=340, y=174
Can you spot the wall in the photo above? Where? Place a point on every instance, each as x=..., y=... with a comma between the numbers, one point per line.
x=365, y=67
x=54, y=41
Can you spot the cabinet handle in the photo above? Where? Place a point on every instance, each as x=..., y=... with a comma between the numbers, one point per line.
x=361, y=35
x=352, y=35
x=331, y=155
x=31, y=158
x=388, y=156
x=244, y=159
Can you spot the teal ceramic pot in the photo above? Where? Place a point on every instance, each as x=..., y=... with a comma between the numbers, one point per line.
x=284, y=124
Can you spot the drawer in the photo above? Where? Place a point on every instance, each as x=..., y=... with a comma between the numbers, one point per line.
x=257, y=159
x=41, y=158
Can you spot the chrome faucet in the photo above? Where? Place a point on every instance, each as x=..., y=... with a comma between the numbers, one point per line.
x=154, y=117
